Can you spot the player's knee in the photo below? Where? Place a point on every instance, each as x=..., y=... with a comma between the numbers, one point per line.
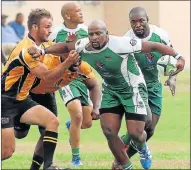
x=21, y=135
x=87, y=124
x=136, y=134
x=53, y=123
x=108, y=132
x=7, y=153
x=150, y=132
x=78, y=119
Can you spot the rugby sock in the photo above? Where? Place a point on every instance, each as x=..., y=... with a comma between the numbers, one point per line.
x=126, y=139
x=49, y=144
x=36, y=162
x=127, y=166
x=75, y=152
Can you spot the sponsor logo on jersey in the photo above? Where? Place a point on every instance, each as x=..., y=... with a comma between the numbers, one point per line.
x=107, y=57
x=150, y=58
x=4, y=120
x=133, y=42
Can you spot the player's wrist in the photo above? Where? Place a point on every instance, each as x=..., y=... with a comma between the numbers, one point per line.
x=177, y=56
x=43, y=51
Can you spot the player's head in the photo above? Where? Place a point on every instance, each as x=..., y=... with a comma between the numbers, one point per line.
x=97, y=33
x=39, y=24
x=139, y=21
x=20, y=18
x=71, y=12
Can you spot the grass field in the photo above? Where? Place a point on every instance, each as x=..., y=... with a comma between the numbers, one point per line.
x=170, y=145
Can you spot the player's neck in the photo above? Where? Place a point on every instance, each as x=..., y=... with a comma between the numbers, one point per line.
x=34, y=38
x=70, y=25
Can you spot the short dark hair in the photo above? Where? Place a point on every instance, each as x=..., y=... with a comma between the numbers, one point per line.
x=18, y=14
x=36, y=15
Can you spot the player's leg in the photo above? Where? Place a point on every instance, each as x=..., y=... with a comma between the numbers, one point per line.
x=136, y=116
x=111, y=113
x=86, y=107
x=8, y=142
x=87, y=118
x=8, y=112
x=47, y=100
x=39, y=115
x=71, y=97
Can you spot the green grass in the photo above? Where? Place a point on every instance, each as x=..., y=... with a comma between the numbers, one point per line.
x=170, y=145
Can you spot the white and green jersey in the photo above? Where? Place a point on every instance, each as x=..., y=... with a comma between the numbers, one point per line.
x=148, y=61
x=81, y=32
x=115, y=62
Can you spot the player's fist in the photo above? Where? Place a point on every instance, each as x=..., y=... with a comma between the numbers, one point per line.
x=180, y=66
x=34, y=51
x=72, y=58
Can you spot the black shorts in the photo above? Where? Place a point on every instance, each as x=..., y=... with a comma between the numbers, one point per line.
x=47, y=100
x=121, y=111
x=12, y=108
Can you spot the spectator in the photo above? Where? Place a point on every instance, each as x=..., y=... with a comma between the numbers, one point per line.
x=17, y=25
x=8, y=34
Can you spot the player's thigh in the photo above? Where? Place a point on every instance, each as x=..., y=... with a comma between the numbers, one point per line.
x=87, y=118
x=37, y=114
x=136, y=113
x=69, y=93
x=8, y=142
x=110, y=119
x=75, y=109
x=47, y=100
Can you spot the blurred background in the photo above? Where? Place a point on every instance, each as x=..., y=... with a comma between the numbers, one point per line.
x=173, y=16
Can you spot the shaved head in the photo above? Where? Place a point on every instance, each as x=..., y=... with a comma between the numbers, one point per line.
x=98, y=23
x=72, y=14
x=68, y=7
x=98, y=34
x=138, y=10
x=139, y=22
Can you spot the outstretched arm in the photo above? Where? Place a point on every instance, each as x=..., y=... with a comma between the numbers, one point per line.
x=148, y=46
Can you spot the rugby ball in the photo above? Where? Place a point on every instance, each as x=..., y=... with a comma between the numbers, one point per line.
x=166, y=65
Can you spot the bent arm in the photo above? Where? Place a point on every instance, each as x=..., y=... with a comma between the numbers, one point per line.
x=95, y=92
x=148, y=46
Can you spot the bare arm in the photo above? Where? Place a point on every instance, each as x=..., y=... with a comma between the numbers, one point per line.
x=54, y=75
x=95, y=95
x=148, y=46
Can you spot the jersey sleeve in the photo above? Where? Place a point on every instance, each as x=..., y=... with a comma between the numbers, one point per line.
x=86, y=71
x=125, y=45
x=165, y=37
x=28, y=60
x=61, y=36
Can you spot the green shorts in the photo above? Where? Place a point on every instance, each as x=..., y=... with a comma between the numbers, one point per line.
x=155, y=97
x=76, y=89
x=133, y=103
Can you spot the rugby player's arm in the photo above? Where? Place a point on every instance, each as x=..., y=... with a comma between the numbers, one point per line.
x=95, y=92
x=55, y=74
x=148, y=46
x=60, y=48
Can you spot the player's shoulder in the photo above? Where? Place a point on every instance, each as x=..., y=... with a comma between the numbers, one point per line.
x=158, y=30
x=130, y=33
x=121, y=44
x=81, y=43
x=83, y=27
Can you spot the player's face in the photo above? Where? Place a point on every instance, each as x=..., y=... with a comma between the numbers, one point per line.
x=97, y=36
x=76, y=14
x=44, y=29
x=138, y=24
x=20, y=19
